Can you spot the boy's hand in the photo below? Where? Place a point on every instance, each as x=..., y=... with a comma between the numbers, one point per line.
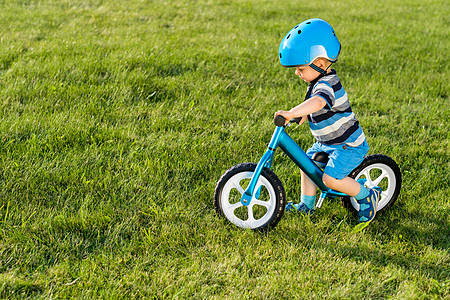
x=302, y=120
x=307, y=107
x=286, y=114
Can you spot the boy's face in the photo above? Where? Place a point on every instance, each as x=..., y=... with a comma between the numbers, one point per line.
x=307, y=73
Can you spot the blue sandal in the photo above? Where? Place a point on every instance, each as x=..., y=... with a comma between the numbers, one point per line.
x=368, y=208
x=299, y=207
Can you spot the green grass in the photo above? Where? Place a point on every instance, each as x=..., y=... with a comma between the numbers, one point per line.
x=119, y=117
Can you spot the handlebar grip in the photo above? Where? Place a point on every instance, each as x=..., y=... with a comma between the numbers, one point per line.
x=279, y=120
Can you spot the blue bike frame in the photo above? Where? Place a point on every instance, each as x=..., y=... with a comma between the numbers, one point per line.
x=281, y=139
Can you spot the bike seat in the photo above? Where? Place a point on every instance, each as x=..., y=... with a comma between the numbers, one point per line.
x=321, y=157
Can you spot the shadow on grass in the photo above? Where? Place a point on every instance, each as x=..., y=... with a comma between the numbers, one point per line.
x=415, y=241
x=416, y=227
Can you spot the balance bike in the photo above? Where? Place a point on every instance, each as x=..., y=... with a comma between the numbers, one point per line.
x=250, y=195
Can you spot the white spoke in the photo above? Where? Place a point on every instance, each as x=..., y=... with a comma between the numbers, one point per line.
x=262, y=203
x=232, y=207
x=367, y=175
x=381, y=177
x=251, y=218
x=238, y=187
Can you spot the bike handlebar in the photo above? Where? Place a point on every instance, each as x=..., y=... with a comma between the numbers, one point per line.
x=280, y=120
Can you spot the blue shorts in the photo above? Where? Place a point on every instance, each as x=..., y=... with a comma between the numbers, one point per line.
x=342, y=159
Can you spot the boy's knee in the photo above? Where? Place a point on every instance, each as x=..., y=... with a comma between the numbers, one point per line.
x=330, y=182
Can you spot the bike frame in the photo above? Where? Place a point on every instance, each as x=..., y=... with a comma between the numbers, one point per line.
x=281, y=139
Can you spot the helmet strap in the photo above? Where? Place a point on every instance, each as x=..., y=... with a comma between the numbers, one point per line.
x=320, y=70
x=313, y=83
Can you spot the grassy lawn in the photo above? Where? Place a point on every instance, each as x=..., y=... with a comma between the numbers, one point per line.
x=118, y=118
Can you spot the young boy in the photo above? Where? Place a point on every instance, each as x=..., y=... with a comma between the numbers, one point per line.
x=311, y=47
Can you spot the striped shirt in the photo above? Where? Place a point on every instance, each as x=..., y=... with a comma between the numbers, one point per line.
x=335, y=123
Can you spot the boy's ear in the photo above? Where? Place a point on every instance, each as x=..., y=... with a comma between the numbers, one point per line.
x=322, y=63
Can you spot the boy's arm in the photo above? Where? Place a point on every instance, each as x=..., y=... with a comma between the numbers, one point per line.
x=310, y=106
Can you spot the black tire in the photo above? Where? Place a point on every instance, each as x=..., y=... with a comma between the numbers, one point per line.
x=262, y=213
x=379, y=170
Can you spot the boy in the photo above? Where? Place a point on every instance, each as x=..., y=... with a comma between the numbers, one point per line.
x=311, y=47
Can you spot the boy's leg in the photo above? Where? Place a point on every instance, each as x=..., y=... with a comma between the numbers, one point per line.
x=366, y=198
x=308, y=197
x=346, y=185
x=309, y=189
x=341, y=162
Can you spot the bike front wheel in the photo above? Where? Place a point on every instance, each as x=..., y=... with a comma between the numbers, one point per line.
x=266, y=207
x=382, y=171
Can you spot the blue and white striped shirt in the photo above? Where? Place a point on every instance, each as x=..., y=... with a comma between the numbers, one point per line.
x=335, y=123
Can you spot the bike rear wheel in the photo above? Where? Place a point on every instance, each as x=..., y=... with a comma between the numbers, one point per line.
x=266, y=207
x=378, y=170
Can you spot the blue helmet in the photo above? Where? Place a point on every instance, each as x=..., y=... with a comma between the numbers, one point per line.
x=307, y=41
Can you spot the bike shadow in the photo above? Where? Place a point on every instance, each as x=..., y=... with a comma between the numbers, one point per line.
x=411, y=240
x=416, y=227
